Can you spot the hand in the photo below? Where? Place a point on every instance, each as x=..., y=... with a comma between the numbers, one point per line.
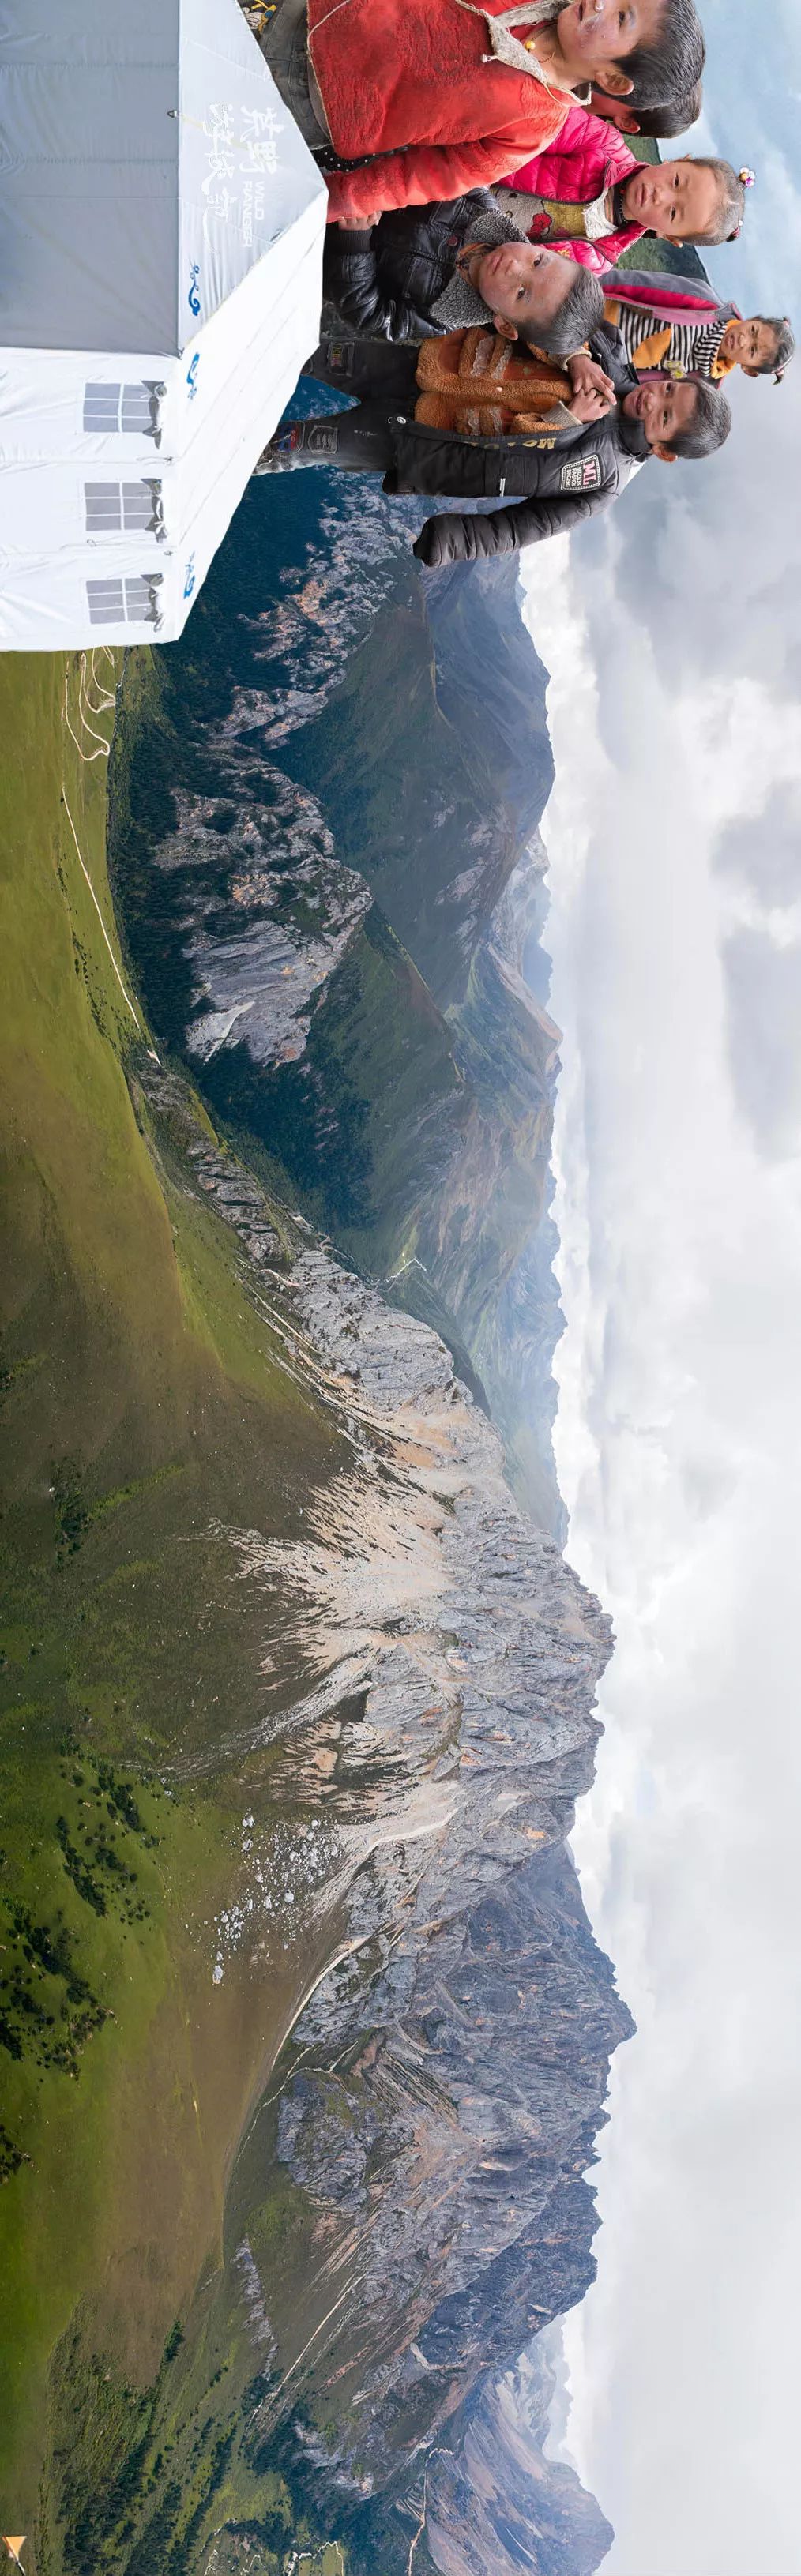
x=586, y=377
x=441, y=541
x=591, y=406
x=354, y=224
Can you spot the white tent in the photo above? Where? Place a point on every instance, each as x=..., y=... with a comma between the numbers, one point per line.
x=161, y=231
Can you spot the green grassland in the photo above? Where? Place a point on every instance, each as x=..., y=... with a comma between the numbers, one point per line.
x=144, y=1405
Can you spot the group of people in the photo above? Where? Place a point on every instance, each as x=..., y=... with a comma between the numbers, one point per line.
x=481, y=193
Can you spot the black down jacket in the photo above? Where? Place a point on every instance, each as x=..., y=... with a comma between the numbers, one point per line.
x=385, y=282
x=553, y=477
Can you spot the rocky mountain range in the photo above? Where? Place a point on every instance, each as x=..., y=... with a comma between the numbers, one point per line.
x=331, y=866
x=328, y=865
x=410, y=2204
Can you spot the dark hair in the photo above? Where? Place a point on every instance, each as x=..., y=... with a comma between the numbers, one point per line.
x=784, y=348
x=660, y=124
x=727, y=222
x=710, y=425
x=579, y=313
x=666, y=71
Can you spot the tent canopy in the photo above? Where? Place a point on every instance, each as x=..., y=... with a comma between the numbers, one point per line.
x=161, y=226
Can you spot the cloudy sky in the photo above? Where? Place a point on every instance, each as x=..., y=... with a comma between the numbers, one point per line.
x=673, y=632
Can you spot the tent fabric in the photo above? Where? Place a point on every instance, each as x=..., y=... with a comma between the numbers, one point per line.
x=141, y=144
x=161, y=231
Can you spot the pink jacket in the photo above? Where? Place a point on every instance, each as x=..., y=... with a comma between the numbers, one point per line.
x=587, y=157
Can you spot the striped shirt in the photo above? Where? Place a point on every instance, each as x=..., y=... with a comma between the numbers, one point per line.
x=682, y=348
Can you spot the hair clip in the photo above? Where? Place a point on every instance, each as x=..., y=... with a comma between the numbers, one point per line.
x=747, y=177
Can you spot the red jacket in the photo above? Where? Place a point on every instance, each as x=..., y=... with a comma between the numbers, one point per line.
x=588, y=157
x=407, y=79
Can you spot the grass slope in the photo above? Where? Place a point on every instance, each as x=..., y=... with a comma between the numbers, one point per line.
x=143, y=1406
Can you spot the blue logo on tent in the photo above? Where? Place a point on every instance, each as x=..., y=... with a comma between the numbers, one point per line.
x=191, y=375
x=193, y=298
x=189, y=580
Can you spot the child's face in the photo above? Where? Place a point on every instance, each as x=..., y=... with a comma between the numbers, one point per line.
x=523, y=284
x=672, y=198
x=751, y=345
x=661, y=407
x=596, y=35
x=615, y=111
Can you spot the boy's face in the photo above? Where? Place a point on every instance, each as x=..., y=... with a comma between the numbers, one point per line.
x=672, y=198
x=661, y=407
x=523, y=284
x=596, y=35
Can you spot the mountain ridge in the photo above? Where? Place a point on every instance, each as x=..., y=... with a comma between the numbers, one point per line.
x=304, y=1013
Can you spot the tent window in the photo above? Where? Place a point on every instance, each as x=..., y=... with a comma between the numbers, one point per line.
x=134, y=602
x=136, y=406
x=106, y=603
x=101, y=408
x=107, y=408
x=110, y=507
x=103, y=509
x=141, y=600
x=141, y=504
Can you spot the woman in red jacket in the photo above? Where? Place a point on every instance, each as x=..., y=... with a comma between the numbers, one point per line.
x=429, y=98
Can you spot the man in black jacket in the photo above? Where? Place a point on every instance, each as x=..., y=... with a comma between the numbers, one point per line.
x=430, y=269
x=556, y=475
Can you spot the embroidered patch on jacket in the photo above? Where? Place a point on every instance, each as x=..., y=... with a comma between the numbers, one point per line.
x=583, y=474
x=319, y=437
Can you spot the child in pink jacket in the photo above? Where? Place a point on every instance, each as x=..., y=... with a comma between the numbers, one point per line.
x=590, y=191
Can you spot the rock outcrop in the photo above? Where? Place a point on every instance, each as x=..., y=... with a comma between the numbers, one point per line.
x=496, y=2501
x=434, y=2112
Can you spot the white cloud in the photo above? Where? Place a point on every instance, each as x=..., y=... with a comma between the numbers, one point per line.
x=673, y=630
x=679, y=1450
x=752, y=115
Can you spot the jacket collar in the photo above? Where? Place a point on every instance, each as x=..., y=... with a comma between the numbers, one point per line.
x=507, y=48
x=606, y=344
x=631, y=433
